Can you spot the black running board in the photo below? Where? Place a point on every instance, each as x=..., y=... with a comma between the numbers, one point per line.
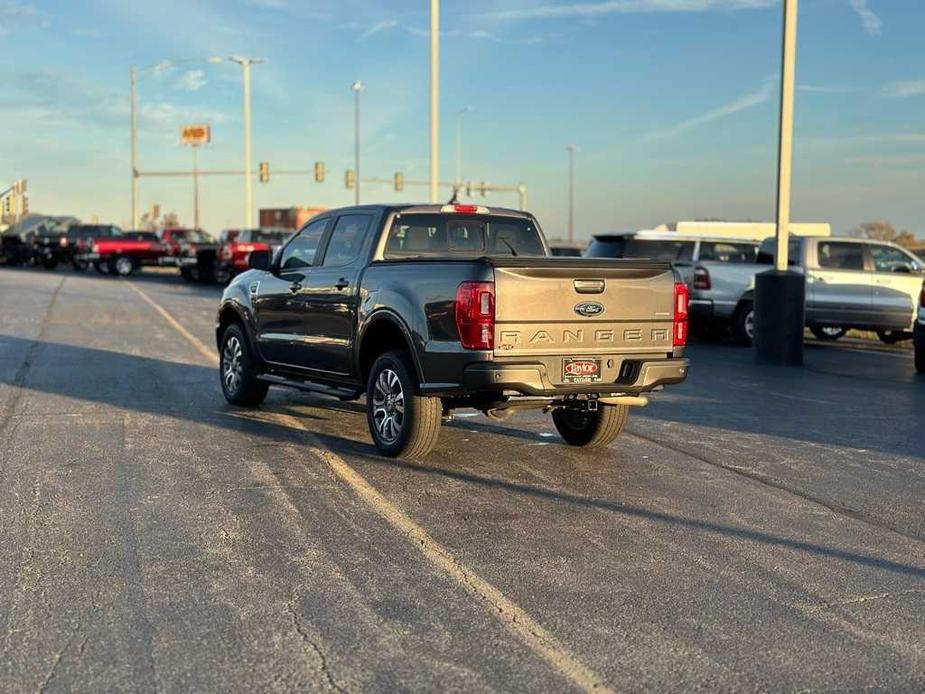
x=332, y=391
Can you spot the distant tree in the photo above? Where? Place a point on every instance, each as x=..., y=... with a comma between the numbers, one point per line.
x=149, y=222
x=884, y=231
x=170, y=220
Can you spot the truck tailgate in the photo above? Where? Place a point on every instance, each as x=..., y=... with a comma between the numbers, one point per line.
x=582, y=307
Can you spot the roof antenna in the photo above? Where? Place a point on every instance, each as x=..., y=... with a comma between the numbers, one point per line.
x=455, y=199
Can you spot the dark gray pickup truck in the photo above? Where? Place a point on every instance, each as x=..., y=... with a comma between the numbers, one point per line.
x=429, y=308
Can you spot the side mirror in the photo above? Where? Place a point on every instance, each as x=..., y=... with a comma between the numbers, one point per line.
x=259, y=260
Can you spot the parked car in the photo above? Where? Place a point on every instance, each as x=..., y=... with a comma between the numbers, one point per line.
x=850, y=283
x=430, y=308
x=234, y=252
x=714, y=295
x=123, y=254
x=79, y=238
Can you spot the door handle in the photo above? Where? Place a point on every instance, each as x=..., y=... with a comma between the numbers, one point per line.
x=295, y=287
x=342, y=284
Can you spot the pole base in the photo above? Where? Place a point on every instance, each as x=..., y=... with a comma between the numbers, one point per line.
x=779, y=317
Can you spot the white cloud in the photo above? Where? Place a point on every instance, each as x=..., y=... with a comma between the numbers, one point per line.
x=191, y=81
x=869, y=20
x=378, y=27
x=904, y=89
x=15, y=16
x=824, y=89
x=743, y=103
x=605, y=7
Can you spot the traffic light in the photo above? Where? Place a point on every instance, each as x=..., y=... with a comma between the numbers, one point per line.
x=350, y=179
x=399, y=181
x=264, y=171
x=319, y=171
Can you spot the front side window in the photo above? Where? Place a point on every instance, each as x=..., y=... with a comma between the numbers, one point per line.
x=835, y=255
x=300, y=252
x=346, y=240
x=889, y=259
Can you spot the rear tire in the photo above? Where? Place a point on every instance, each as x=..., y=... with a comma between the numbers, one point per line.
x=123, y=266
x=919, y=343
x=743, y=323
x=402, y=423
x=591, y=429
x=829, y=333
x=891, y=337
x=237, y=370
x=102, y=267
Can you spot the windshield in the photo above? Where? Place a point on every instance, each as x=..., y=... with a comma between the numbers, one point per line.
x=468, y=236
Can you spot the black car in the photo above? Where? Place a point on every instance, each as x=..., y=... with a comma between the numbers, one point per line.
x=80, y=237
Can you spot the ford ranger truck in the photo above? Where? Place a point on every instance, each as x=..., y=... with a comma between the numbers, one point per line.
x=425, y=309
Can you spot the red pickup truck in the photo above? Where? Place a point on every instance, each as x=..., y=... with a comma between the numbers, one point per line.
x=237, y=246
x=122, y=255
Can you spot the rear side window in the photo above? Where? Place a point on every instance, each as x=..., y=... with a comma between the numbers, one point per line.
x=768, y=250
x=346, y=240
x=834, y=255
x=462, y=236
x=723, y=252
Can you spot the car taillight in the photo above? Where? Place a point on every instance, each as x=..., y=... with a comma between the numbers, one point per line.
x=94, y=248
x=245, y=247
x=63, y=242
x=681, y=295
x=464, y=209
x=475, y=314
x=701, y=278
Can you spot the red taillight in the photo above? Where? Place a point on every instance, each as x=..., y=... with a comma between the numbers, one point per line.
x=701, y=278
x=475, y=314
x=681, y=296
x=63, y=242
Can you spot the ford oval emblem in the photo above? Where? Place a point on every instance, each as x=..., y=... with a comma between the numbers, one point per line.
x=589, y=309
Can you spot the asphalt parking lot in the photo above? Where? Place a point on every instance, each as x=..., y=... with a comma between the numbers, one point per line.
x=756, y=529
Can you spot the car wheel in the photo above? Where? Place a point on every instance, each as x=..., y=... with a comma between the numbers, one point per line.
x=743, y=324
x=590, y=429
x=891, y=337
x=828, y=332
x=49, y=263
x=124, y=266
x=402, y=423
x=237, y=370
x=79, y=265
x=102, y=267
x=918, y=338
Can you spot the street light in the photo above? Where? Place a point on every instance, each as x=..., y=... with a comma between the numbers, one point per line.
x=571, y=190
x=357, y=87
x=245, y=64
x=459, y=115
x=434, y=99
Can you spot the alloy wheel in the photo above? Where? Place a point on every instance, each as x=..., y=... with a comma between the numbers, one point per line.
x=232, y=364
x=388, y=406
x=750, y=324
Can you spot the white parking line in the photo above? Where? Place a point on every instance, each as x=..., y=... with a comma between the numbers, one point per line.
x=511, y=615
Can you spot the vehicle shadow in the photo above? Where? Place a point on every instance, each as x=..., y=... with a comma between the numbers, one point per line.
x=112, y=378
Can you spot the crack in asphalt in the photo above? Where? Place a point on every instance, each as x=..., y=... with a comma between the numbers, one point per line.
x=835, y=508
x=306, y=638
x=860, y=599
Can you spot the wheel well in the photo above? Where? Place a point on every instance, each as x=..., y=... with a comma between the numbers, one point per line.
x=381, y=337
x=228, y=316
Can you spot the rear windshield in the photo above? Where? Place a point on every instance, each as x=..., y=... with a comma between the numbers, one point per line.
x=629, y=247
x=726, y=252
x=467, y=236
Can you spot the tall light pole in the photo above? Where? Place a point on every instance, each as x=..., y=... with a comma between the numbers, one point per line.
x=780, y=295
x=245, y=64
x=134, y=119
x=459, y=115
x=434, y=99
x=571, y=190
x=357, y=87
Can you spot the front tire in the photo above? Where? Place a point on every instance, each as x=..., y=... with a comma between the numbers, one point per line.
x=102, y=267
x=591, y=429
x=829, y=333
x=123, y=266
x=743, y=324
x=403, y=424
x=238, y=371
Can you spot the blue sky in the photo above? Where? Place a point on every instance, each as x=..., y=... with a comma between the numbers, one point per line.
x=672, y=104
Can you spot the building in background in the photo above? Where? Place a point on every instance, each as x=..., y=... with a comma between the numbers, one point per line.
x=288, y=217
